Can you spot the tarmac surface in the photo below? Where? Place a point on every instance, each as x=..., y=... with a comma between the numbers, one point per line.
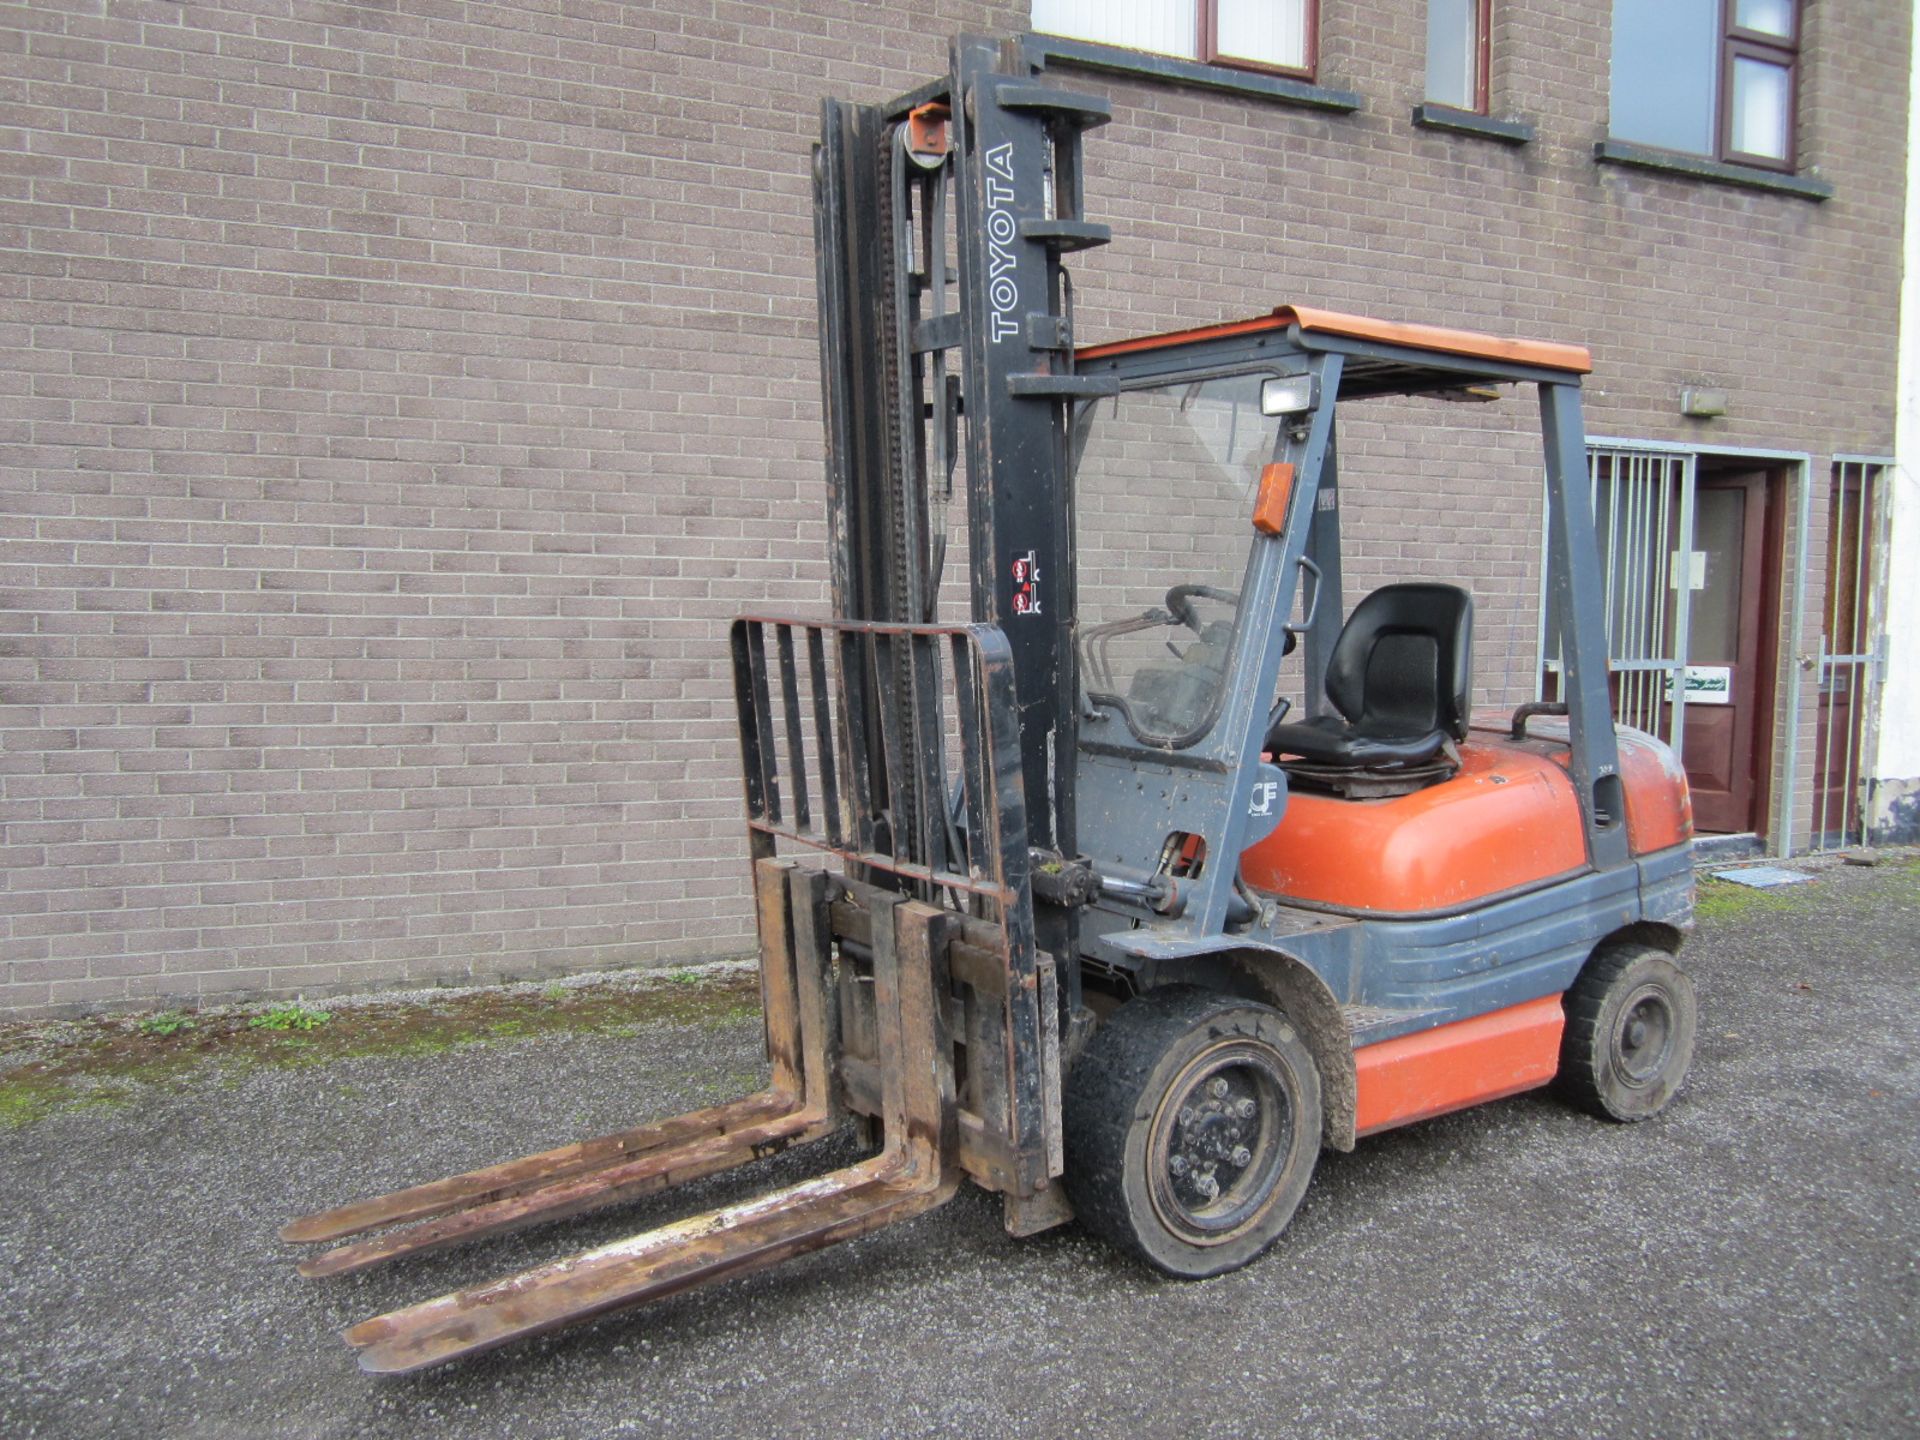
x=1745, y=1265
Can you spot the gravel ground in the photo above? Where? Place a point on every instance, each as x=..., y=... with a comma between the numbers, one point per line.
x=1743, y=1266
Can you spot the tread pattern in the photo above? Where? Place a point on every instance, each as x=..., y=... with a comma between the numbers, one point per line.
x=1107, y=1094
x=1584, y=1071
x=1102, y=1093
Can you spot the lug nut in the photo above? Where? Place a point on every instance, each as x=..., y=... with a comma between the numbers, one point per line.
x=1242, y=1156
x=1217, y=1087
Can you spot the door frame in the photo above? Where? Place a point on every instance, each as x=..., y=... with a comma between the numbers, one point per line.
x=1777, y=783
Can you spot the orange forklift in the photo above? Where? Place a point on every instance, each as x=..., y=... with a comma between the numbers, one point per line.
x=1094, y=897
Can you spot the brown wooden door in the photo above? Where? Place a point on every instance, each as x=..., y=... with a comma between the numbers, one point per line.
x=1723, y=641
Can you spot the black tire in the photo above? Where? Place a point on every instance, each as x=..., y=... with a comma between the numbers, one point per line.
x=1631, y=1020
x=1192, y=1127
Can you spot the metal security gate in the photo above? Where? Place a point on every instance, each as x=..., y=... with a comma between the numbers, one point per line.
x=1852, y=656
x=1643, y=508
x=1659, y=538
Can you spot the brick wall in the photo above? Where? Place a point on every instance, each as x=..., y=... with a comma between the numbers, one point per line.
x=400, y=397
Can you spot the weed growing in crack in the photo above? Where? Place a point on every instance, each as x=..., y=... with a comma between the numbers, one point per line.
x=289, y=1017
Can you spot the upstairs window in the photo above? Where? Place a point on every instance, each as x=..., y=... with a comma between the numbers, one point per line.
x=1457, y=53
x=1762, y=45
x=1707, y=77
x=1274, y=35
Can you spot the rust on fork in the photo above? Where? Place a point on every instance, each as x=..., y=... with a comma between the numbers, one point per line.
x=914, y=1172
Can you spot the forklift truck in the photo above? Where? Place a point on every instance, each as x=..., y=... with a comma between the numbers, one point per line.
x=1063, y=898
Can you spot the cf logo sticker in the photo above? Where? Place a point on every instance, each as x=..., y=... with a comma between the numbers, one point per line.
x=1265, y=792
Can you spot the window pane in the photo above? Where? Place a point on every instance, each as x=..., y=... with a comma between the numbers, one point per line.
x=1762, y=107
x=1719, y=532
x=1453, y=52
x=1769, y=17
x=1270, y=32
x=1170, y=27
x=1162, y=492
x=1665, y=60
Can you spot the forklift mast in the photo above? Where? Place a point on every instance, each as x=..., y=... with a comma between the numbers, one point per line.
x=932, y=370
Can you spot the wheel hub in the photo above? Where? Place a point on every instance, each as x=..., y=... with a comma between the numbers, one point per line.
x=1209, y=1149
x=1220, y=1141
x=1644, y=1037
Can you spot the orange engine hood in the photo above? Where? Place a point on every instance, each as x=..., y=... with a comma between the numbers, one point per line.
x=1508, y=819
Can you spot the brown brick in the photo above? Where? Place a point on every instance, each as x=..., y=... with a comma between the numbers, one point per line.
x=394, y=418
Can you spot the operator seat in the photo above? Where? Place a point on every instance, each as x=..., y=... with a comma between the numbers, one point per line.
x=1400, y=677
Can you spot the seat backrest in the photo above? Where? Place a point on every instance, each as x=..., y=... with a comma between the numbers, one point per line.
x=1403, y=665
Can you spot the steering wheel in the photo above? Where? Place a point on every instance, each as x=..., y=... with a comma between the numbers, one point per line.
x=1180, y=602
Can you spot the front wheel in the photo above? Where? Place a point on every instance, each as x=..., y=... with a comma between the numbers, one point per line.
x=1192, y=1126
x=1631, y=1018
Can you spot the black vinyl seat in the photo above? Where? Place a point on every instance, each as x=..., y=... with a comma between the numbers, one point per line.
x=1400, y=677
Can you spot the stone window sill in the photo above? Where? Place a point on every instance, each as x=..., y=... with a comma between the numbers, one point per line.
x=1716, y=172
x=1429, y=116
x=1280, y=89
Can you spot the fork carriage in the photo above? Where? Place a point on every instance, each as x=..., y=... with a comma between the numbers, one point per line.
x=839, y=721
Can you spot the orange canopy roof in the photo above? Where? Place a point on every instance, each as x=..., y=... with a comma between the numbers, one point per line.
x=1541, y=353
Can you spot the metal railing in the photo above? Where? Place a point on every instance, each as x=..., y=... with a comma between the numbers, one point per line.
x=1852, y=655
x=1643, y=507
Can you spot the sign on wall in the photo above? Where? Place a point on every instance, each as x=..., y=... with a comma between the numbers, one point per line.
x=1706, y=685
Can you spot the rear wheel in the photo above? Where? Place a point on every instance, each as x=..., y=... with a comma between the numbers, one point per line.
x=1192, y=1127
x=1631, y=1018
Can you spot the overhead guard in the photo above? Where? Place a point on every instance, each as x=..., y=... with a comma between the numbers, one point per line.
x=1545, y=354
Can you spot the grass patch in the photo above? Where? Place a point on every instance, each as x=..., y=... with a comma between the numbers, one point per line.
x=105, y=1062
x=1723, y=900
x=27, y=1098
x=1897, y=878
x=289, y=1017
